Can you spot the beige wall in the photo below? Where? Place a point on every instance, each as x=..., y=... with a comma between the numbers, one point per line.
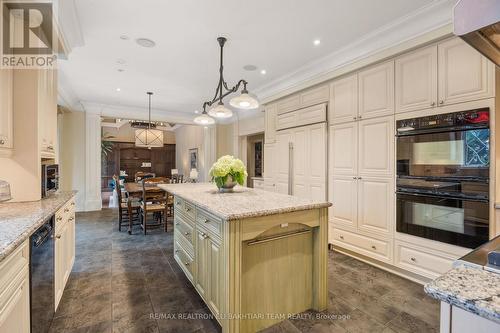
x=72, y=155
x=225, y=140
x=127, y=134
x=187, y=137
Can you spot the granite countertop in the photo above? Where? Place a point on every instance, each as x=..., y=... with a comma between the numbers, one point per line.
x=243, y=203
x=469, y=288
x=18, y=220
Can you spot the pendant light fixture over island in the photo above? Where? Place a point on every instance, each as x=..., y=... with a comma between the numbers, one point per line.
x=216, y=105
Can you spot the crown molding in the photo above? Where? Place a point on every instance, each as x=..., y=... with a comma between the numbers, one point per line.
x=424, y=25
x=133, y=112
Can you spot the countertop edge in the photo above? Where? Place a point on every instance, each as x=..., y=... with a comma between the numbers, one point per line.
x=29, y=231
x=465, y=304
x=269, y=212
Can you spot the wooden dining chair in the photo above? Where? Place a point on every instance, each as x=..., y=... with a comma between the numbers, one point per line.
x=123, y=202
x=154, y=202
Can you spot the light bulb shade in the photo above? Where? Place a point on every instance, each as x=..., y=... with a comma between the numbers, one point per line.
x=244, y=101
x=204, y=119
x=148, y=138
x=220, y=111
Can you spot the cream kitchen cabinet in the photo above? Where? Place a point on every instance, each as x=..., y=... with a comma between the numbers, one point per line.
x=416, y=80
x=344, y=149
x=269, y=167
x=376, y=90
x=301, y=161
x=343, y=100
x=304, y=99
x=270, y=123
x=64, y=248
x=343, y=192
x=463, y=73
x=6, y=112
x=376, y=146
x=375, y=205
x=15, y=295
x=47, y=101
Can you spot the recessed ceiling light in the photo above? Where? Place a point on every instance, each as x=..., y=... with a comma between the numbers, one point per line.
x=118, y=89
x=124, y=37
x=263, y=72
x=121, y=61
x=316, y=42
x=250, y=68
x=120, y=70
x=145, y=42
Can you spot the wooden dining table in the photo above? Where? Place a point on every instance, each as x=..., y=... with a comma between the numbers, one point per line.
x=134, y=190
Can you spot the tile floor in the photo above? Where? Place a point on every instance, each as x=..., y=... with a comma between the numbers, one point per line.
x=122, y=283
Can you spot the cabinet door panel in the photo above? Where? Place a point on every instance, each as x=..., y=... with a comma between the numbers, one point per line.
x=314, y=96
x=300, y=162
x=376, y=90
x=283, y=138
x=6, y=108
x=376, y=146
x=15, y=315
x=375, y=205
x=344, y=149
x=343, y=100
x=270, y=123
x=201, y=264
x=317, y=161
x=288, y=104
x=416, y=80
x=343, y=194
x=464, y=74
x=214, y=261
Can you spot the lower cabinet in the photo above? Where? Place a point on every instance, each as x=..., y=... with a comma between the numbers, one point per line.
x=204, y=268
x=208, y=277
x=64, y=249
x=15, y=295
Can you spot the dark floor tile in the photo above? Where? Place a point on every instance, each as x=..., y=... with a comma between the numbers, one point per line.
x=405, y=322
x=284, y=327
x=360, y=322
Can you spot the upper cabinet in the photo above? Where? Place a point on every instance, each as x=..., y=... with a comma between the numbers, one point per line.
x=376, y=90
x=446, y=73
x=464, y=74
x=6, y=111
x=343, y=100
x=270, y=123
x=304, y=99
x=416, y=80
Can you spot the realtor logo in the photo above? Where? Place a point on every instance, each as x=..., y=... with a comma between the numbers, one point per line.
x=27, y=35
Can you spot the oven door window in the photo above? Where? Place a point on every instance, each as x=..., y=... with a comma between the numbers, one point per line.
x=455, y=221
x=445, y=154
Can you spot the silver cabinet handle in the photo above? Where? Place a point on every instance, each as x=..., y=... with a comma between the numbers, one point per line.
x=186, y=233
x=58, y=236
x=186, y=263
x=360, y=178
x=176, y=223
x=59, y=218
x=2, y=142
x=71, y=219
x=72, y=204
x=176, y=251
x=341, y=237
x=206, y=221
x=204, y=235
x=441, y=102
x=433, y=104
x=359, y=117
x=413, y=259
x=374, y=247
x=178, y=202
x=188, y=209
x=66, y=210
x=354, y=177
x=354, y=118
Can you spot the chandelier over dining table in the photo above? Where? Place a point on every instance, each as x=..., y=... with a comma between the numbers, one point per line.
x=216, y=106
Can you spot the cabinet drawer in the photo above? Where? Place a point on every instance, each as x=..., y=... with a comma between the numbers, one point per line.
x=286, y=120
x=371, y=247
x=288, y=104
x=258, y=184
x=315, y=96
x=186, y=208
x=422, y=261
x=209, y=222
x=184, y=260
x=13, y=264
x=184, y=228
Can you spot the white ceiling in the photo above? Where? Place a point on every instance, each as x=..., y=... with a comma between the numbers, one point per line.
x=182, y=70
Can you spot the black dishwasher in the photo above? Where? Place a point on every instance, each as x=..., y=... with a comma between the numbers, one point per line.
x=42, y=277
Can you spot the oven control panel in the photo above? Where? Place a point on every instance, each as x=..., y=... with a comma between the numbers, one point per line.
x=471, y=117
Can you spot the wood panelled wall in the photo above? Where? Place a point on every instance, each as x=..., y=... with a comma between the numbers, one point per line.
x=128, y=157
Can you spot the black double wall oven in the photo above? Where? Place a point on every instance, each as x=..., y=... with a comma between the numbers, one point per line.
x=442, y=185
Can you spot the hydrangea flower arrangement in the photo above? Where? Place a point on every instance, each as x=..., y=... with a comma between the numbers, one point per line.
x=228, y=170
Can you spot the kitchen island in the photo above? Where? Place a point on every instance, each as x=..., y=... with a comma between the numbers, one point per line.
x=255, y=257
